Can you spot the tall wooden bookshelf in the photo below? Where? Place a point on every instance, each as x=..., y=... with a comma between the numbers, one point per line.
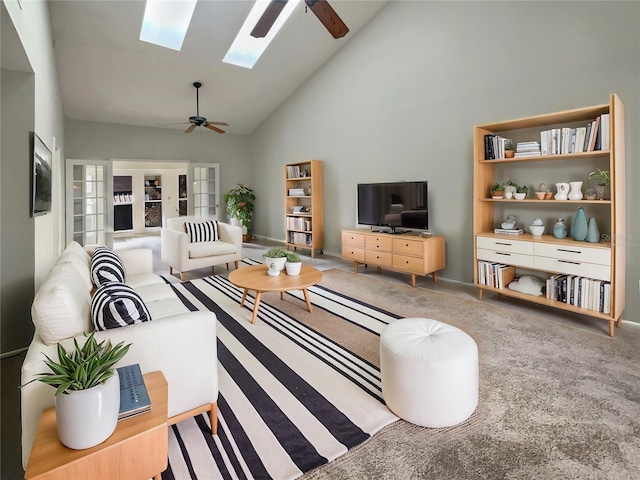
x=546, y=255
x=303, y=195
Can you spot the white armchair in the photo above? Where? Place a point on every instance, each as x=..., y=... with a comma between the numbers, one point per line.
x=178, y=253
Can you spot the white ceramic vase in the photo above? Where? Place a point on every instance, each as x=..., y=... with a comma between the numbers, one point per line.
x=563, y=191
x=293, y=268
x=87, y=418
x=576, y=191
x=278, y=262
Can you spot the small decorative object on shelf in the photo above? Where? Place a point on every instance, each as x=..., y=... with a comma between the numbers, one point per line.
x=537, y=227
x=521, y=192
x=576, y=191
x=497, y=191
x=590, y=193
x=560, y=229
x=602, y=178
x=593, y=233
x=579, y=226
x=563, y=191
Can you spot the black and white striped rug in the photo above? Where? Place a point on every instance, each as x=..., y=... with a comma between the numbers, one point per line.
x=291, y=399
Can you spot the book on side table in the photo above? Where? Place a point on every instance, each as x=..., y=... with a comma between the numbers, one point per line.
x=134, y=398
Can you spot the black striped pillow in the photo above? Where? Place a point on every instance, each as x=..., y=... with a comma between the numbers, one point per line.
x=117, y=305
x=106, y=267
x=202, y=231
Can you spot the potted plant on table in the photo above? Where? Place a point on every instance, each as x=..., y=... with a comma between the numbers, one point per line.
x=275, y=258
x=87, y=397
x=293, y=264
x=239, y=202
x=602, y=179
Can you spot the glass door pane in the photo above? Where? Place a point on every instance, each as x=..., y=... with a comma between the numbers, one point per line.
x=205, y=189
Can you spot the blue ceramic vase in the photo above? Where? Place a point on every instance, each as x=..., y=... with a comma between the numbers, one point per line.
x=593, y=234
x=579, y=226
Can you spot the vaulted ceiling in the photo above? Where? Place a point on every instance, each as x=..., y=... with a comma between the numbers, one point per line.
x=108, y=75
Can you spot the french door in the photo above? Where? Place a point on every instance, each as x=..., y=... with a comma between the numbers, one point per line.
x=204, y=189
x=89, y=202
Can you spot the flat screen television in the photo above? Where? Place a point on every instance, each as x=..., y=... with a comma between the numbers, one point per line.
x=41, y=177
x=394, y=205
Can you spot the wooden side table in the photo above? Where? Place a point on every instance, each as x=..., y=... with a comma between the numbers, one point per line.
x=137, y=449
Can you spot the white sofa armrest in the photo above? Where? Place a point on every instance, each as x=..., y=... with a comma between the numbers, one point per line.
x=183, y=347
x=174, y=248
x=231, y=234
x=137, y=261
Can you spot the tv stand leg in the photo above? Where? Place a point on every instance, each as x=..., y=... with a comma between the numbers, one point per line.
x=413, y=279
x=355, y=267
x=480, y=294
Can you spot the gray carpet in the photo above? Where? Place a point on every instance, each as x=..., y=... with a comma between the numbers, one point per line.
x=555, y=401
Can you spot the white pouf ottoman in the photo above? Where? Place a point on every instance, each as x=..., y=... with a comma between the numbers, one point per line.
x=429, y=372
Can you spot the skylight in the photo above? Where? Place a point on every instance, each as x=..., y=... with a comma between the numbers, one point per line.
x=166, y=22
x=245, y=49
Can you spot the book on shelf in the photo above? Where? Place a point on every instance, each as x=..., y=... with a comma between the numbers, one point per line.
x=508, y=231
x=494, y=146
x=296, y=192
x=581, y=292
x=134, y=397
x=496, y=275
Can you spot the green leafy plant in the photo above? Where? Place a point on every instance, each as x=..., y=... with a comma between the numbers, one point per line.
x=239, y=202
x=521, y=189
x=293, y=257
x=497, y=187
x=508, y=145
x=591, y=192
x=603, y=178
x=87, y=366
x=276, y=252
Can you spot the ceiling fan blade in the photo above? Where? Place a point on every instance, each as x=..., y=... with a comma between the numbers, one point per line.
x=268, y=18
x=190, y=129
x=215, y=129
x=328, y=16
x=224, y=124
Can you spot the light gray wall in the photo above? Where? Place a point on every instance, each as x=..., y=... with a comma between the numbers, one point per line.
x=103, y=141
x=16, y=224
x=399, y=102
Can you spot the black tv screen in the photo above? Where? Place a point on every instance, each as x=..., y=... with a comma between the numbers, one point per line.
x=41, y=177
x=394, y=205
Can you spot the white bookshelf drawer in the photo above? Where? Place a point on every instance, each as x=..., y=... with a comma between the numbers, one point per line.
x=508, y=258
x=577, y=253
x=505, y=245
x=571, y=267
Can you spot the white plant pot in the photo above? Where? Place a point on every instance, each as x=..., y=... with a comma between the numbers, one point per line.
x=237, y=223
x=293, y=268
x=87, y=418
x=279, y=262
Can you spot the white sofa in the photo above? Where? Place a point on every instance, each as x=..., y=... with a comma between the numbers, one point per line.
x=178, y=253
x=180, y=343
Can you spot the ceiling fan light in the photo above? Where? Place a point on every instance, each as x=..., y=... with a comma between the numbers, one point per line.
x=245, y=49
x=166, y=22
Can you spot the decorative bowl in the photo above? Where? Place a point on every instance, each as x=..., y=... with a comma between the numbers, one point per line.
x=520, y=196
x=536, y=230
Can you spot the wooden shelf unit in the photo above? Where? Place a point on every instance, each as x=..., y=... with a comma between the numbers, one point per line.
x=307, y=226
x=405, y=253
x=538, y=254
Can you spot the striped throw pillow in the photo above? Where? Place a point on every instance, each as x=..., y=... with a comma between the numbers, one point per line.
x=106, y=267
x=202, y=231
x=117, y=305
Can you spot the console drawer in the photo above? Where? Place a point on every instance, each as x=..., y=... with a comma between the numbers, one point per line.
x=353, y=253
x=408, y=264
x=407, y=247
x=515, y=259
x=356, y=239
x=574, y=253
x=374, y=242
x=570, y=267
x=505, y=245
x=381, y=259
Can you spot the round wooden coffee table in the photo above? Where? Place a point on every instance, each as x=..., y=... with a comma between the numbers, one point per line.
x=255, y=277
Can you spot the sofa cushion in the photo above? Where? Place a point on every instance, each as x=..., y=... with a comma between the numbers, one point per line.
x=117, y=305
x=106, y=267
x=208, y=249
x=62, y=307
x=75, y=255
x=202, y=231
x=137, y=281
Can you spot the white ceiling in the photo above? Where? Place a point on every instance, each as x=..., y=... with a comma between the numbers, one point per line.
x=108, y=75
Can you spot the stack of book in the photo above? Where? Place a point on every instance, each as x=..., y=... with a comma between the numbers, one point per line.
x=293, y=171
x=528, y=149
x=494, y=146
x=508, y=231
x=296, y=192
x=299, y=238
x=580, y=291
x=593, y=136
x=134, y=398
x=496, y=275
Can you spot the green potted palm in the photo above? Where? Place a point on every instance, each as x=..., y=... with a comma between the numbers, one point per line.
x=239, y=202
x=87, y=397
